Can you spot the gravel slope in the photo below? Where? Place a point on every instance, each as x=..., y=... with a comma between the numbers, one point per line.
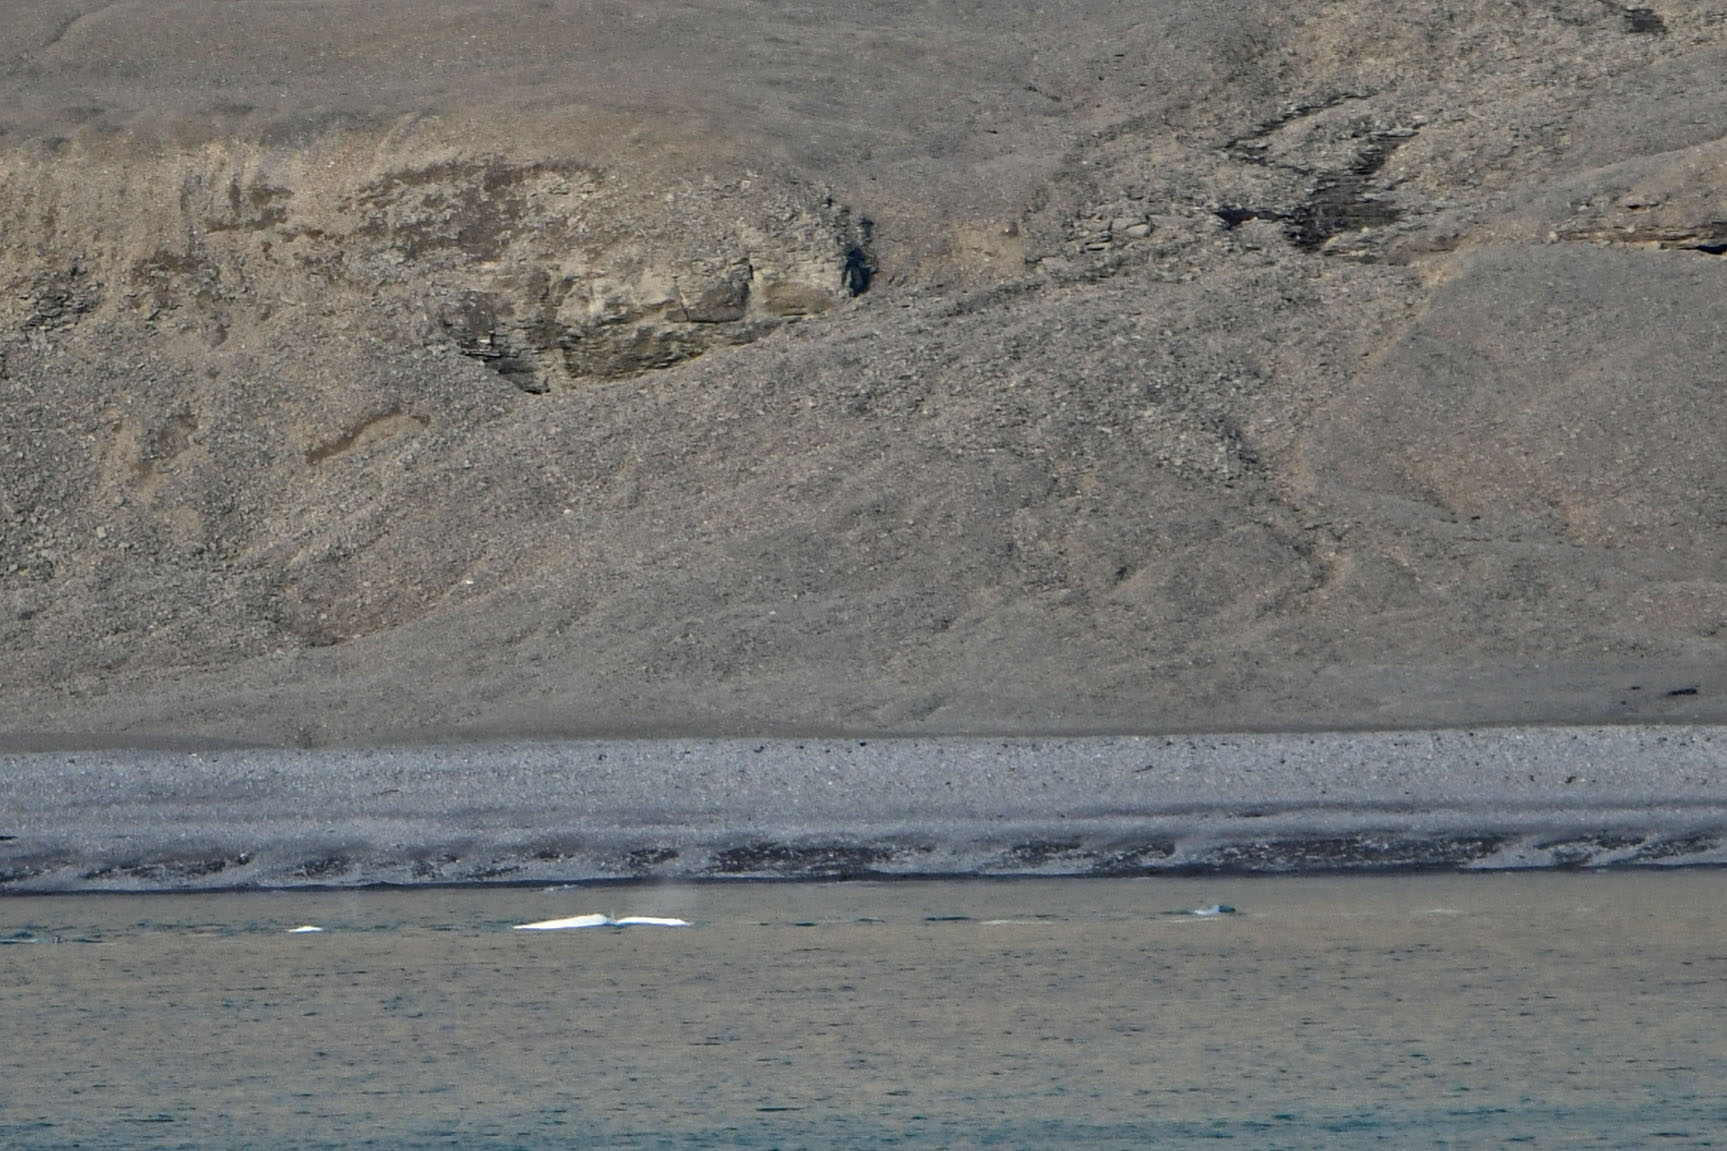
x=570, y=368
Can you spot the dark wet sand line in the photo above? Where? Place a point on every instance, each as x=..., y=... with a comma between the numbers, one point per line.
x=732, y=808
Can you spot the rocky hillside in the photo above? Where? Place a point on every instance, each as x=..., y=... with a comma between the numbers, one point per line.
x=375, y=371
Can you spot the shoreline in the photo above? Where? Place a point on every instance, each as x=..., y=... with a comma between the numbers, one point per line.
x=705, y=809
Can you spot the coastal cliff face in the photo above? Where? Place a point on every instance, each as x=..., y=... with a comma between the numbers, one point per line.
x=369, y=371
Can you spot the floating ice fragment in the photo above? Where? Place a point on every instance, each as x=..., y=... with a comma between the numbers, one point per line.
x=1214, y=909
x=597, y=920
x=304, y=929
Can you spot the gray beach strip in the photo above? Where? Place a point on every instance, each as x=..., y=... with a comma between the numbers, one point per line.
x=692, y=809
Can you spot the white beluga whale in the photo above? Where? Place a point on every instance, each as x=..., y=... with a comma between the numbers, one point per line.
x=575, y=922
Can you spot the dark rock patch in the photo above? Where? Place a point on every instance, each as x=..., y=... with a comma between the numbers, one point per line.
x=1581, y=851
x=1141, y=859
x=1644, y=22
x=325, y=868
x=1345, y=201
x=835, y=860
x=1678, y=847
x=1345, y=853
x=1039, y=852
x=648, y=858
x=19, y=873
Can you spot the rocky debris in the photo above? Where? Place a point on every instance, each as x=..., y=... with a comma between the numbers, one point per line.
x=59, y=300
x=1113, y=224
x=1259, y=366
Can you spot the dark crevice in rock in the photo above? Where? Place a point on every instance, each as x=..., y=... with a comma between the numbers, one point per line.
x=857, y=237
x=858, y=271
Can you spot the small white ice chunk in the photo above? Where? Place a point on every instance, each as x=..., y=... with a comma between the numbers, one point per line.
x=572, y=922
x=305, y=929
x=1214, y=909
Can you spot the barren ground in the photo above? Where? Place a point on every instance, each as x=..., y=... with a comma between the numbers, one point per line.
x=376, y=371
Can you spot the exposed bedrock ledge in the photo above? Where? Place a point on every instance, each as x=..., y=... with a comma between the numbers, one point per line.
x=546, y=269
x=785, y=809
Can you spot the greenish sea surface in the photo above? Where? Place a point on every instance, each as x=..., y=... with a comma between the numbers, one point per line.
x=1551, y=1010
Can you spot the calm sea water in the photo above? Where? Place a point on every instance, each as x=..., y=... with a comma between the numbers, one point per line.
x=1543, y=1010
